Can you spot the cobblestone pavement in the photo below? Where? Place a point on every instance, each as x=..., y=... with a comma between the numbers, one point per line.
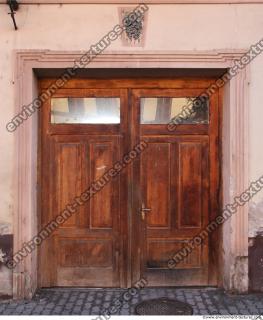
x=205, y=301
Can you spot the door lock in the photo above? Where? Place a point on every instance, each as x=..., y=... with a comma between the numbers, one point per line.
x=143, y=210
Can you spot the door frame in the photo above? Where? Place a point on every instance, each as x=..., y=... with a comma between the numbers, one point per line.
x=235, y=145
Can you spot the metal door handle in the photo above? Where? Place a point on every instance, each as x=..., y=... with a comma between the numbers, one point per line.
x=143, y=210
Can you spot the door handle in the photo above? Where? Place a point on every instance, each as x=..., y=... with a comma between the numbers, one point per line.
x=143, y=210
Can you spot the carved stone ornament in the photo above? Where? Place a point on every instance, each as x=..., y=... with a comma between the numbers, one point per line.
x=134, y=34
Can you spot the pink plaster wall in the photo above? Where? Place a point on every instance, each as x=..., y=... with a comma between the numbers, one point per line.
x=170, y=28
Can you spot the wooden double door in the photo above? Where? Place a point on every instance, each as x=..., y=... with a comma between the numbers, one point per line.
x=129, y=174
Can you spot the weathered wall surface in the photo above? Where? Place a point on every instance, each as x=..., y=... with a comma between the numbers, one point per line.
x=170, y=27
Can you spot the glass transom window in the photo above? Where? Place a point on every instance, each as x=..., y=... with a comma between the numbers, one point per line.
x=162, y=110
x=85, y=110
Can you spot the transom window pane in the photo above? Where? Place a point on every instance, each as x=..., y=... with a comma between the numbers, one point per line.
x=85, y=110
x=186, y=110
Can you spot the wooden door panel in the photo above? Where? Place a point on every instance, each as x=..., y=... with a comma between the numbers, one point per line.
x=179, y=277
x=156, y=181
x=68, y=159
x=174, y=179
x=103, y=203
x=177, y=184
x=193, y=176
x=86, y=249
x=85, y=253
x=85, y=262
x=80, y=161
x=159, y=251
x=77, y=277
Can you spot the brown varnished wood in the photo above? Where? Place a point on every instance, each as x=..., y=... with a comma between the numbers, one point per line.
x=87, y=250
x=157, y=83
x=106, y=244
x=177, y=178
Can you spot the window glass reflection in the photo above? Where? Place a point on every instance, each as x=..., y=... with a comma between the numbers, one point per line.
x=162, y=110
x=85, y=110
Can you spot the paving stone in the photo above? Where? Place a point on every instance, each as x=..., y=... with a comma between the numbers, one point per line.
x=203, y=312
x=20, y=308
x=253, y=310
x=69, y=305
x=200, y=305
x=212, y=309
x=85, y=312
x=92, y=301
x=95, y=312
x=79, y=303
x=98, y=302
x=108, y=297
x=8, y=312
x=75, y=313
x=91, y=298
x=106, y=304
x=124, y=312
x=62, y=302
x=223, y=312
x=30, y=304
x=134, y=301
x=58, y=309
x=87, y=305
x=233, y=310
x=45, y=312
x=73, y=298
x=195, y=311
x=190, y=301
x=198, y=298
x=65, y=313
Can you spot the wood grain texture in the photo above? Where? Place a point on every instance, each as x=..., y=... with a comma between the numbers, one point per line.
x=88, y=246
x=176, y=180
x=107, y=244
